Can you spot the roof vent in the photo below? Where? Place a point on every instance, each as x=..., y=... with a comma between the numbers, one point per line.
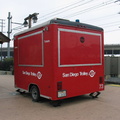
x=61, y=19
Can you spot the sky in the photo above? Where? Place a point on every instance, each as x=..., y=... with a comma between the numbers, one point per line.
x=102, y=13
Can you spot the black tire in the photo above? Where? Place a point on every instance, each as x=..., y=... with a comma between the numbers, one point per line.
x=35, y=93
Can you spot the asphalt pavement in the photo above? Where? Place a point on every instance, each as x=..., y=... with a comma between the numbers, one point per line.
x=14, y=106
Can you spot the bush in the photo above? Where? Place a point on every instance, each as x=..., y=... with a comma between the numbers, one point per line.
x=6, y=64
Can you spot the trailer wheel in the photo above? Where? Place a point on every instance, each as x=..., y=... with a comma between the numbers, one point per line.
x=35, y=93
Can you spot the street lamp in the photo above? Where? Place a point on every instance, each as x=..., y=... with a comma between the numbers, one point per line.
x=35, y=19
x=30, y=18
x=25, y=23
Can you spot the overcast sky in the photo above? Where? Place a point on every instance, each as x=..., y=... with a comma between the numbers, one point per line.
x=102, y=13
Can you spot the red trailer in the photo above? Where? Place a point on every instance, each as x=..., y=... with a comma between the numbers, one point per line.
x=59, y=59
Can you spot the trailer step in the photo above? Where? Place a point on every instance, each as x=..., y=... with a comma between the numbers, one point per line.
x=94, y=94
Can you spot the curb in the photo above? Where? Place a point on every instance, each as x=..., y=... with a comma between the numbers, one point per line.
x=5, y=72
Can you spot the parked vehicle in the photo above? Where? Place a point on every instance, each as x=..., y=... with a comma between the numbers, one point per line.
x=59, y=59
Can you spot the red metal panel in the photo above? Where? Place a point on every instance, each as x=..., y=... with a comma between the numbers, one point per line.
x=78, y=65
x=29, y=45
x=74, y=51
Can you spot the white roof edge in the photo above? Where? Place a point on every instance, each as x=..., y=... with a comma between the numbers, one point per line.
x=33, y=28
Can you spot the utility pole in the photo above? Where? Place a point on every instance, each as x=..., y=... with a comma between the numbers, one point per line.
x=9, y=31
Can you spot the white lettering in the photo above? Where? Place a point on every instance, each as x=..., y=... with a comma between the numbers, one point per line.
x=38, y=74
x=91, y=73
x=74, y=74
x=101, y=86
x=83, y=73
x=33, y=74
x=27, y=73
x=65, y=75
x=46, y=41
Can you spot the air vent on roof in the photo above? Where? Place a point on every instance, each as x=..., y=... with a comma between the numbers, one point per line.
x=61, y=19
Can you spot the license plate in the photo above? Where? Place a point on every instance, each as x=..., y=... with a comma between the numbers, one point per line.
x=62, y=93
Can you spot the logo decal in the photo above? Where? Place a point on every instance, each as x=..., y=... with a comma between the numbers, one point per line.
x=39, y=75
x=92, y=73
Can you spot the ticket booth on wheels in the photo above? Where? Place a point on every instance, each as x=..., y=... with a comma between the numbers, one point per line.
x=59, y=59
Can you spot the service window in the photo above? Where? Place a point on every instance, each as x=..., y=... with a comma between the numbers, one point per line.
x=31, y=50
x=79, y=48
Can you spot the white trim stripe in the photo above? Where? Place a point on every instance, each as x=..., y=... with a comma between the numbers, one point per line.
x=44, y=96
x=30, y=35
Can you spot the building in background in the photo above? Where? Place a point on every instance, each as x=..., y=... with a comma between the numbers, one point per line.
x=3, y=39
x=112, y=60
x=112, y=49
x=4, y=52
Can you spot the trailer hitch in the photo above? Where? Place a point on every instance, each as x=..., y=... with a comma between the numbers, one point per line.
x=94, y=94
x=56, y=103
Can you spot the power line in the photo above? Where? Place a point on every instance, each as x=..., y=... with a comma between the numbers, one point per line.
x=64, y=9
x=99, y=18
x=89, y=9
x=2, y=24
x=112, y=30
x=18, y=27
x=61, y=9
x=111, y=24
x=72, y=6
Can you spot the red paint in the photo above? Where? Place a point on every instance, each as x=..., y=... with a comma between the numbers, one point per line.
x=53, y=57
